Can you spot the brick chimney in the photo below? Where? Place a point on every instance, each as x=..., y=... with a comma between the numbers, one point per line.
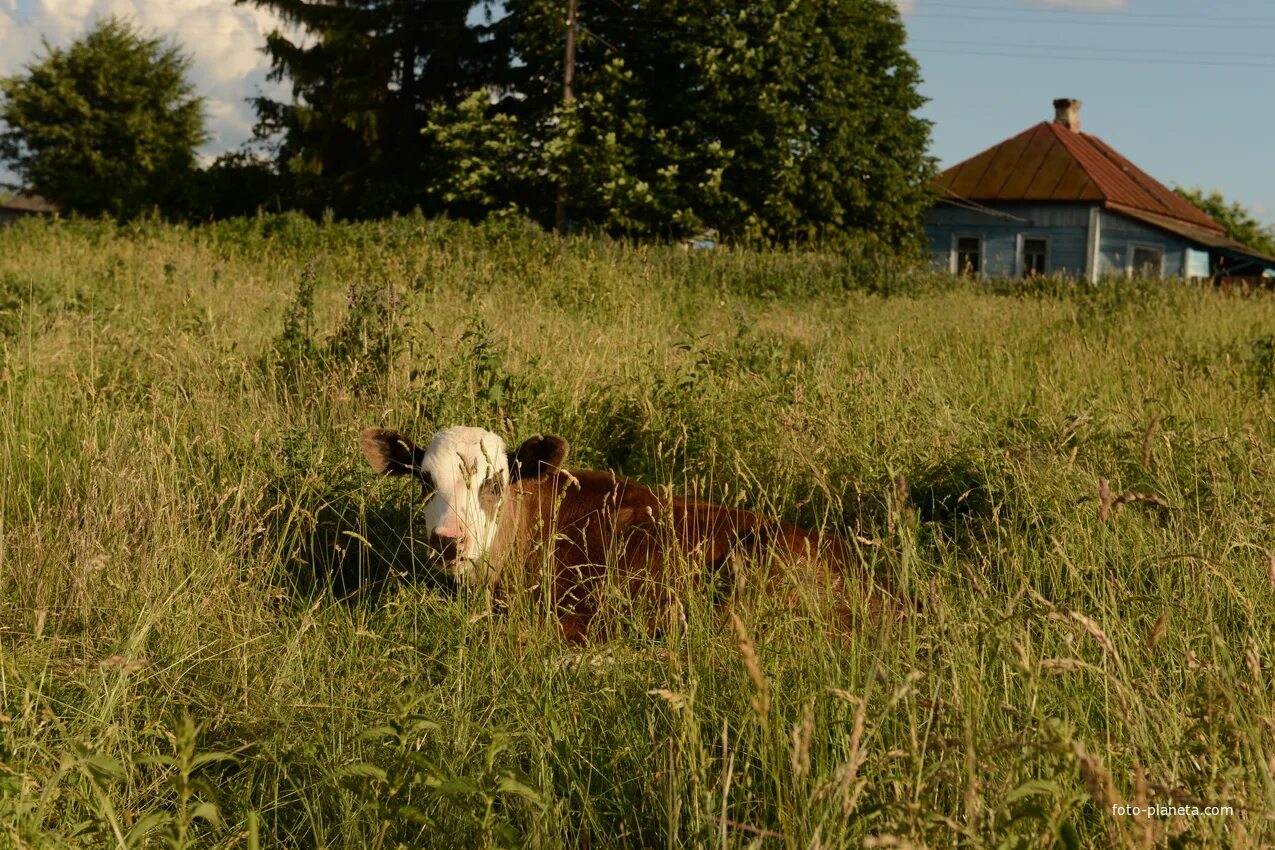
x=1067, y=113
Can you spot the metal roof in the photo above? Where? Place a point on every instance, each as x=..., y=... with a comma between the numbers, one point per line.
x=1049, y=162
x=1208, y=238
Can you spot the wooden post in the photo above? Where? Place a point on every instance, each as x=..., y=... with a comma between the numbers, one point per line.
x=568, y=95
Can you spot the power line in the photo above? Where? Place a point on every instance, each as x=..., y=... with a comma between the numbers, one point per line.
x=1159, y=52
x=1099, y=16
x=1036, y=54
x=1020, y=17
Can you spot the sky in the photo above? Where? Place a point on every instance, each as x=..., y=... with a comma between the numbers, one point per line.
x=1180, y=87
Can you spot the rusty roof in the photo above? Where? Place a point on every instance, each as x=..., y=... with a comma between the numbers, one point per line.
x=1049, y=162
x=1209, y=238
x=29, y=202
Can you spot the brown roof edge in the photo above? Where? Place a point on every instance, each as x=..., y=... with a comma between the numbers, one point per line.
x=1188, y=231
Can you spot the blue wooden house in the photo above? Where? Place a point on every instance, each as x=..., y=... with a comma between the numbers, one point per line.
x=1054, y=200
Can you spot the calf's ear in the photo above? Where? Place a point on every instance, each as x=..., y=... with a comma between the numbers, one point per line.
x=535, y=454
x=390, y=453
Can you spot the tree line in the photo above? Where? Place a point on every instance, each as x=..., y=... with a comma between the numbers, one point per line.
x=772, y=120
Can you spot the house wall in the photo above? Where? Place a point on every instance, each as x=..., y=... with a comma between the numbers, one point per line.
x=1066, y=226
x=1119, y=234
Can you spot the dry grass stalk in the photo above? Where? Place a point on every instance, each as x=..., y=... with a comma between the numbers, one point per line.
x=1141, y=798
x=802, y=733
x=728, y=756
x=845, y=775
x=1097, y=633
x=1132, y=496
x=1254, y=659
x=1157, y=631
x=1147, y=441
x=1107, y=505
x=675, y=700
x=748, y=652
x=1270, y=568
x=1101, y=787
x=891, y=842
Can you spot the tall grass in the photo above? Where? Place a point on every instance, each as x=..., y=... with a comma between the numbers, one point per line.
x=218, y=628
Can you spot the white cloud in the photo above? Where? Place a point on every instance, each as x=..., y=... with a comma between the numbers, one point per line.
x=223, y=40
x=1083, y=5
x=905, y=6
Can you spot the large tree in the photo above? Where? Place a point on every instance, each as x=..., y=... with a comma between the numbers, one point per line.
x=768, y=119
x=365, y=76
x=109, y=124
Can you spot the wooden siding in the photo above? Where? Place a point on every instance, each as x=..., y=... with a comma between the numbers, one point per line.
x=1066, y=226
x=1119, y=232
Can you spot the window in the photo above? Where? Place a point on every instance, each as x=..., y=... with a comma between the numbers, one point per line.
x=1146, y=261
x=969, y=255
x=1035, y=256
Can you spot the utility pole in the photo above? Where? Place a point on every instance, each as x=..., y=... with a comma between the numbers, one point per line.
x=568, y=95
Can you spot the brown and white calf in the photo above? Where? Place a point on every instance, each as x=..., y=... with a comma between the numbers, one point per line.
x=502, y=517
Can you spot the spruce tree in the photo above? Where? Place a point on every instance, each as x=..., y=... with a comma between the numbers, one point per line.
x=365, y=76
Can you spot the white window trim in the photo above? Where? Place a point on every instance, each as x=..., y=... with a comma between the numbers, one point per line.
x=1146, y=246
x=982, y=252
x=1020, y=262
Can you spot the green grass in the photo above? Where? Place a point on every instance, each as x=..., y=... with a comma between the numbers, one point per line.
x=216, y=630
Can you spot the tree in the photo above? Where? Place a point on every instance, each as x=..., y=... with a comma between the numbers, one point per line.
x=1237, y=220
x=365, y=78
x=771, y=119
x=107, y=125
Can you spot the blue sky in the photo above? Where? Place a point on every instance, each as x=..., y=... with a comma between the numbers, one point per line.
x=1181, y=88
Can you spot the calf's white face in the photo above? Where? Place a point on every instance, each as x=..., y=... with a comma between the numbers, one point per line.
x=469, y=468
x=464, y=472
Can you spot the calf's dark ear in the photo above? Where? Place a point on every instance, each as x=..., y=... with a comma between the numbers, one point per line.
x=390, y=453
x=535, y=454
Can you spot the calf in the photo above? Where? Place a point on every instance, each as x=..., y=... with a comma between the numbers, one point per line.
x=519, y=518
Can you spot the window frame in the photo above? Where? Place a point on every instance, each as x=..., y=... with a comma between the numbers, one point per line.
x=954, y=260
x=1131, y=269
x=1021, y=266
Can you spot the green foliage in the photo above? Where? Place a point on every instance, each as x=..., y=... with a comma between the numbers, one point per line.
x=188, y=530
x=1237, y=219
x=481, y=157
x=364, y=76
x=235, y=184
x=778, y=122
x=107, y=125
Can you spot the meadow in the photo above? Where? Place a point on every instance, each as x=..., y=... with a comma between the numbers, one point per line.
x=218, y=628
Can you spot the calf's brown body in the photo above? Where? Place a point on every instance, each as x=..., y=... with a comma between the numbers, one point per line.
x=576, y=533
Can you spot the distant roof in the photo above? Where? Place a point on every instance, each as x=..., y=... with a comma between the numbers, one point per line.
x=1049, y=162
x=30, y=202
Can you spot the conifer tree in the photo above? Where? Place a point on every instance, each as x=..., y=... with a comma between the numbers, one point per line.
x=365, y=76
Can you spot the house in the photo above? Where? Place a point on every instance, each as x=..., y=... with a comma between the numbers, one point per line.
x=24, y=204
x=1053, y=200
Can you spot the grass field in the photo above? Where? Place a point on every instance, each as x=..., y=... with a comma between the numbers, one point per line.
x=216, y=630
